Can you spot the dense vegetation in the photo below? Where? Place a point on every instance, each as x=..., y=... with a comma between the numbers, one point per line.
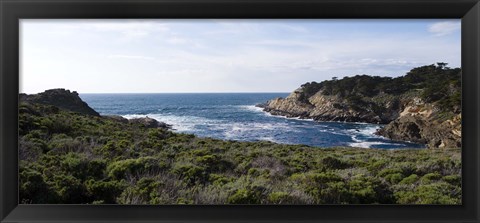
x=67, y=157
x=437, y=84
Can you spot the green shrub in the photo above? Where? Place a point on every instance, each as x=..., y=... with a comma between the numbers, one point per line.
x=324, y=187
x=377, y=165
x=453, y=179
x=121, y=169
x=62, y=144
x=70, y=189
x=31, y=149
x=145, y=191
x=394, y=178
x=430, y=177
x=389, y=171
x=75, y=164
x=362, y=191
x=245, y=196
x=256, y=172
x=33, y=188
x=104, y=191
x=280, y=198
x=410, y=179
x=57, y=124
x=207, y=160
x=218, y=179
x=333, y=163
x=191, y=174
x=438, y=193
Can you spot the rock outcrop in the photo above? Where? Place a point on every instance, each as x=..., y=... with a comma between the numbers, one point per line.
x=70, y=101
x=150, y=123
x=419, y=122
x=422, y=106
x=61, y=98
x=116, y=118
x=322, y=107
x=290, y=106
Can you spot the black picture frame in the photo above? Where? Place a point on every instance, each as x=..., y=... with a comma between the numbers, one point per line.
x=13, y=10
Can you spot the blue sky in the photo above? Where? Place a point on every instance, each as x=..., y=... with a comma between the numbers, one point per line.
x=155, y=56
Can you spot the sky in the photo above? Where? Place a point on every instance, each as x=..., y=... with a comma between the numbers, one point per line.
x=173, y=56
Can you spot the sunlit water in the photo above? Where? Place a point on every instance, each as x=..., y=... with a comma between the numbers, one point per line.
x=233, y=116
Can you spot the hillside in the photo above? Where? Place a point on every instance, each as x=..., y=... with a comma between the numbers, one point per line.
x=81, y=158
x=422, y=106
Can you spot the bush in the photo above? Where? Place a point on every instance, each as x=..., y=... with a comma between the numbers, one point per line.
x=430, y=177
x=57, y=124
x=209, y=161
x=280, y=198
x=33, y=188
x=218, y=179
x=453, y=179
x=70, y=189
x=362, y=191
x=438, y=193
x=62, y=144
x=132, y=167
x=191, y=174
x=389, y=171
x=104, y=191
x=410, y=179
x=31, y=149
x=394, y=178
x=333, y=163
x=245, y=196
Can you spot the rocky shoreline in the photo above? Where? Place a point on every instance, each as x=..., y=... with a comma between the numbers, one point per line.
x=405, y=125
x=407, y=115
x=321, y=108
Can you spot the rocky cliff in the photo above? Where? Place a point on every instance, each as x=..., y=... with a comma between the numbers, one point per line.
x=423, y=106
x=421, y=122
x=322, y=107
x=60, y=98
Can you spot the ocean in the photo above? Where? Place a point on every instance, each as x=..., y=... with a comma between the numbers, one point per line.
x=233, y=116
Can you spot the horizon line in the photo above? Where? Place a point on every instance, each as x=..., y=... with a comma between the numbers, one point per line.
x=240, y=92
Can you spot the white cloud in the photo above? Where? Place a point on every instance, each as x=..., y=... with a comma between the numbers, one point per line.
x=444, y=28
x=180, y=56
x=122, y=30
x=177, y=40
x=135, y=57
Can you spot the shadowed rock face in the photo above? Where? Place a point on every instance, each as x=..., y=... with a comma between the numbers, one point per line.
x=434, y=133
x=60, y=98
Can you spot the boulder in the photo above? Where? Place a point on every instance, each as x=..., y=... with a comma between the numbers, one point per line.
x=150, y=123
x=117, y=118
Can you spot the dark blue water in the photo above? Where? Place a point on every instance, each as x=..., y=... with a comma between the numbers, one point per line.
x=233, y=116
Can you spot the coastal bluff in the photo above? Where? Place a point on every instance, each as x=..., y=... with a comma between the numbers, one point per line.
x=61, y=98
x=424, y=106
x=70, y=101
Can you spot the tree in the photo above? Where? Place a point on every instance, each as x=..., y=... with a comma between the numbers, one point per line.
x=442, y=65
